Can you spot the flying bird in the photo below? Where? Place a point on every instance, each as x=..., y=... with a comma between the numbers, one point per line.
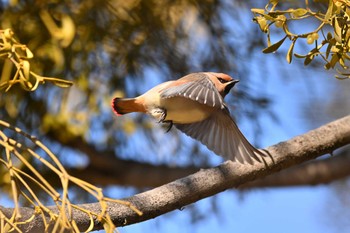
x=195, y=105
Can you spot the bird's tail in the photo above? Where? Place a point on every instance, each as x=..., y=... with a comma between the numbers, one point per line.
x=123, y=106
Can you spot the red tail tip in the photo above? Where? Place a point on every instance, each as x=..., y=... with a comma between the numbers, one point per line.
x=114, y=106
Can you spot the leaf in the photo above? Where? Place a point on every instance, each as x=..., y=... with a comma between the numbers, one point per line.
x=331, y=43
x=329, y=11
x=25, y=66
x=56, y=81
x=328, y=50
x=337, y=30
x=26, y=85
x=329, y=36
x=308, y=59
x=343, y=73
x=334, y=60
x=290, y=52
x=63, y=83
x=341, y=62
x=68, y=30
x=299, y=55
x=29, y=54
x=327, y=66
x=299, y=12
x=274, y=47
x=258, y=11
x=262, y=23
x=341, y=78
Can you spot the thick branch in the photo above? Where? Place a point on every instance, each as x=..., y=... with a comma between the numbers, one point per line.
x=208, y=182
x=312, y=173
x=142, y=175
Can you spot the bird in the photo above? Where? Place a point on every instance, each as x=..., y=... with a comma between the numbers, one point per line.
x=195, y=105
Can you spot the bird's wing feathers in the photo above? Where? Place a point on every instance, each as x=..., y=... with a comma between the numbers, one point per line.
x=220, y=134
x=197, y=87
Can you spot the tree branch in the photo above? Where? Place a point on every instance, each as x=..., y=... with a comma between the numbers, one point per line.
x=143, y=175
x=208, y=182
x=312, y=173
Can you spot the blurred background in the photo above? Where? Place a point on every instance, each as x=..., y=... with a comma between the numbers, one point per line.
x=112, y=48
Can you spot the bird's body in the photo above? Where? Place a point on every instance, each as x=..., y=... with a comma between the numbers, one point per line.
x=178, y=105
x=194, y=104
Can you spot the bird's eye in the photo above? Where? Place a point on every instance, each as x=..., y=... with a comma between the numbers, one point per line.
x=222, y=80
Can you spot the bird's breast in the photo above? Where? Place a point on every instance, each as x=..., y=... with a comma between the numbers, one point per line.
x=184, y=111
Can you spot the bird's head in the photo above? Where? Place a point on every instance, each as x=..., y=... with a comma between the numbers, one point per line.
x=222, y=82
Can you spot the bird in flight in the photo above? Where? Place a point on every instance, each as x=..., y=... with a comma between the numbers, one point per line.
x=195, y=105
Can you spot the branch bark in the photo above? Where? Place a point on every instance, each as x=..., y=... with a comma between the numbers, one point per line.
x=208, y=182
x=143, y=175
x=316, y=172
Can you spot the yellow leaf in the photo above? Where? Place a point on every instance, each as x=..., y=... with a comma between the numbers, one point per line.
x=299, y=12
x=274, y=47
x=290, y=52
x=258, y=11
x=62, y=83
x=25, y=65
x=29, y=54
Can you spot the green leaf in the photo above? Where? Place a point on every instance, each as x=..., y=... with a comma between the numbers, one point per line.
x=274, y=47
x=290, y=52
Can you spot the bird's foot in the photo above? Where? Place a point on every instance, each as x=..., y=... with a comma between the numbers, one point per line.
x=161, y=114
x=170, y=125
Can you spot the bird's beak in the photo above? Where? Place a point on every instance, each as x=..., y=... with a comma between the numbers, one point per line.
x=230, y=84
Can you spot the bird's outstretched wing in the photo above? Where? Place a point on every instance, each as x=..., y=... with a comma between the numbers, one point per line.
x=221, y=135
x=196, y=86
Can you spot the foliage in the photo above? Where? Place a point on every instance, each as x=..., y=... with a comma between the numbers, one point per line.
x=16, y=158
x=332, y=43
x=21, y=179
x=19, y=55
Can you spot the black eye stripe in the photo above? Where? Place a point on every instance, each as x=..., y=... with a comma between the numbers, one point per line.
x=222, y=80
